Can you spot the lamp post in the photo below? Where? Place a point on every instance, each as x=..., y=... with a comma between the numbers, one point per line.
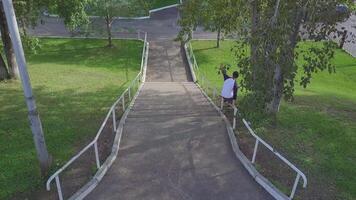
x=34, y=118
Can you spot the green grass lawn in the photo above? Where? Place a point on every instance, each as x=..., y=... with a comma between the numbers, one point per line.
x=75, y=82
x=162, y=3
x=317, y=131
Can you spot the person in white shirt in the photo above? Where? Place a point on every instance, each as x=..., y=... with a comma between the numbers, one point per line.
x=230, y=88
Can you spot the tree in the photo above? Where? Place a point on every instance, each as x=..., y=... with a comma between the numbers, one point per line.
x=8, y=48
x=28, y=12
x=214, y=15
x=4, y=74
x=73, y=12
x=110, y=9
x=269, y=69
x=268, y=33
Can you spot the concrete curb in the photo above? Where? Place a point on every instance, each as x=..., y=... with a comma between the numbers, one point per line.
x=259, y=178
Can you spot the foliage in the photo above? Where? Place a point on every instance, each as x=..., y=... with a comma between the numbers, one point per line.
x=75, y=82
x=268, y=32
x=269, y=69
x=109, y=9
x=73, y=12
x=316, y=131
x=213, y=15
x=30, y=44
x=28, y=11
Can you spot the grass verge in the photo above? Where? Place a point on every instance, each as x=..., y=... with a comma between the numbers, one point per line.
x=317, y=131
x=75, y=82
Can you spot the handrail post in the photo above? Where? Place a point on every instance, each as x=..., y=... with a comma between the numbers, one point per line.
x=123, y=102
x=295, y=186
x=96, y=155
x=59, y=188
x=214, y=93
x=255, y=151
x=129, y=93
x=234, y=120
x=114, y=119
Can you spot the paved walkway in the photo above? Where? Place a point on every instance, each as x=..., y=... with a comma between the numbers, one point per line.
x=175, y=144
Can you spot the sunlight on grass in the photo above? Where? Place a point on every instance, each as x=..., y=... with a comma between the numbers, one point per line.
x=75, y=81
x=317, y=131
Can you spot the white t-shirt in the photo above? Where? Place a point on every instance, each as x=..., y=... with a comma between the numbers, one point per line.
x=228, y=88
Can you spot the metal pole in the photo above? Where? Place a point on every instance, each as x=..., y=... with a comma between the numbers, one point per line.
x=255, y=152
x=34, y=118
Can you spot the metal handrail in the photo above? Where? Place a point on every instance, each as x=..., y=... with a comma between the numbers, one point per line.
x=94, y=143
x=204, y=81
x=269, y=147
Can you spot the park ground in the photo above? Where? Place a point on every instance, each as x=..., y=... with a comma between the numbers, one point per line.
x=75, y=82
x=317, y=131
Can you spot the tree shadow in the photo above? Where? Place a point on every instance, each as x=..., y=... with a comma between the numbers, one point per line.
x=70, y=120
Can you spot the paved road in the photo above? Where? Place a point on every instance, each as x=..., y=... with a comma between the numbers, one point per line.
x=161, y=25
x=350, y=26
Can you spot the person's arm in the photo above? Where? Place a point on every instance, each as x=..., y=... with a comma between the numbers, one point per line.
x=225, y=75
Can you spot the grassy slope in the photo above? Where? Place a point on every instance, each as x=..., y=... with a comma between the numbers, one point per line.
x=75, y=82
x=162, y=3
x=318, y=130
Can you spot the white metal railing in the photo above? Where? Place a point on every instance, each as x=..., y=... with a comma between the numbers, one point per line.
x=119, y=105
x=212, y=91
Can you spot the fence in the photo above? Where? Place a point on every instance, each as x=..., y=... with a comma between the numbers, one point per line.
x=112, y=119
x=212, y=91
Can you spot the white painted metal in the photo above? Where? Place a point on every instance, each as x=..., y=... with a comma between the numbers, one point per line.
x=129, y=93
x=255, y=152
x=123, y=102
x=138, y=79
x=234, y=120
x=295, y=186
x=97, y=154
x=114, y=119
x=59, y=188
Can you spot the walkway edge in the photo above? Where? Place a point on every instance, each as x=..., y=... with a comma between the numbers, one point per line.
x=91, y=185
x=259, y=178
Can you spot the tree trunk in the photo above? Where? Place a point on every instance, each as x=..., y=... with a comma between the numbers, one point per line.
x=218, y=38
x=278, y=79
x=4, y=74
x=9, y=50
x=109, y=28
x=277, y=91
x=255, y=14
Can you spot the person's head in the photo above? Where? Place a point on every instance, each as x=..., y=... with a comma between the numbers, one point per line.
x=235, y=75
